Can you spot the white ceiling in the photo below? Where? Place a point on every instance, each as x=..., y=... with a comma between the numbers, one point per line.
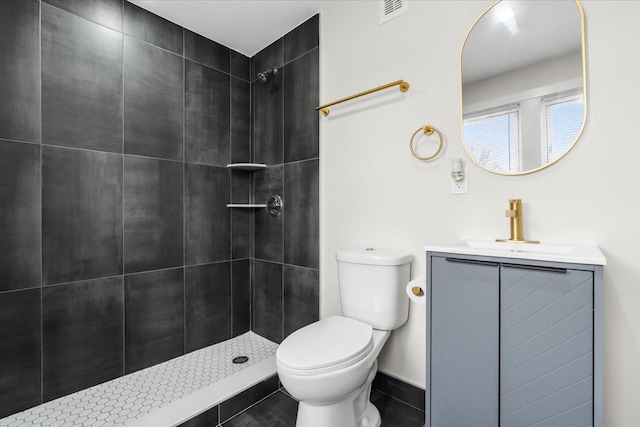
x=246, y=26
x=548, y=28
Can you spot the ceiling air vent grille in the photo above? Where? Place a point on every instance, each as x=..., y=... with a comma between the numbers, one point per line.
x=390, y=9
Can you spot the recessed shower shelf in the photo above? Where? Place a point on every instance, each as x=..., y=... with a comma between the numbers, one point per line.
x=247, y=166
x=247, y=205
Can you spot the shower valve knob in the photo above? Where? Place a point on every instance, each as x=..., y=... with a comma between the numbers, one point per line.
x=275, y=205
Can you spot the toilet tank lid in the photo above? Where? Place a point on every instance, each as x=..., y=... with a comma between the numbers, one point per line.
x=374, y=256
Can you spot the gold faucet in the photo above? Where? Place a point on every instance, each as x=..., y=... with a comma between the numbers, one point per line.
x=515, y=223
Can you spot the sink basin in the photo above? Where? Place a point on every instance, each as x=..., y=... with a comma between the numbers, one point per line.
x=578, y=253
x=536, y=248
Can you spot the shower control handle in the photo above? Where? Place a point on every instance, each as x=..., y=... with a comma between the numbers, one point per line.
x=275, y=205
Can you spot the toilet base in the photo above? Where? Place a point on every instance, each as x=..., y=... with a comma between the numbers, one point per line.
x=339, y=414
x=355, y=410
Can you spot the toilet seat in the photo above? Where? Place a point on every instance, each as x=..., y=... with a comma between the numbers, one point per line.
x=325, y=346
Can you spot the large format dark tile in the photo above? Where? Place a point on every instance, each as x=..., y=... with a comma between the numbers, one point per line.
x=82, y=335
x=395, y=413
x=207, y=305
x=208, y=418
x=267, y=121
x=20, y=374
x=399, y=390
x=105, y=12
x=20, y=70
x=240, y=297
x=81, y=82
x=240, y=65
x=301, y=120
x=154, y=318
x=207, y=115
x=267, y=300
x=240, y=121
x=240, y=186
x=241, y=233
x=302, y=39
x=301, y=297
x=268, y=229
x=20, y=212
x=278, y=410
x=153, y=101
x=207, y=231
x=241, y=219
x=153, y=223
x=81, y=214
x=152, y=28
x=247, y=398
x=301, y=216
x=205, y=51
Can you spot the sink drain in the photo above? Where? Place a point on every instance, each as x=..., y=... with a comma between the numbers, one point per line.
x=240, y=359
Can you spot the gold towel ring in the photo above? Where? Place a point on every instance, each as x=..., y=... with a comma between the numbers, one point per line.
x=428, y=130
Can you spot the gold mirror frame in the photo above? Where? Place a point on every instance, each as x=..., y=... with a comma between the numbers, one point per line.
x=584, y=93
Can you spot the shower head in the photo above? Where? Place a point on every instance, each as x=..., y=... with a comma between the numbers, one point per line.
x=264, y=76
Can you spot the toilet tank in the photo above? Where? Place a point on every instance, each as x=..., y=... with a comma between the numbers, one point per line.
x=372, y=286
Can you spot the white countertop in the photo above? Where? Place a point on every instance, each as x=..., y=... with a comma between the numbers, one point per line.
x=575, y=253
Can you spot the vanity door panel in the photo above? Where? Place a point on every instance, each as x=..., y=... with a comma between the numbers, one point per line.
x=546, y=347
x=464, y=343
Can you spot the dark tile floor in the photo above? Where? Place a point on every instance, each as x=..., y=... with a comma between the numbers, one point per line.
x=279, y=410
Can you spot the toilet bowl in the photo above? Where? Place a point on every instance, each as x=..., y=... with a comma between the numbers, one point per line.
x=329, y=365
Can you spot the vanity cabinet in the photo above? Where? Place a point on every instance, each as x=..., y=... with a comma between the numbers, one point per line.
x=512, y=342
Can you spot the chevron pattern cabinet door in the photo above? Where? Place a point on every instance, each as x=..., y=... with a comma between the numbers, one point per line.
x=546, y=348
x=464, y=344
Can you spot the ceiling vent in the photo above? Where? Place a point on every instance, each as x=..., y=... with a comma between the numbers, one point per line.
x=390, y=9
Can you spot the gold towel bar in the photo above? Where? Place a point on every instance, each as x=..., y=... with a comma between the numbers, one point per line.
x=324, y=109
x=428, y=130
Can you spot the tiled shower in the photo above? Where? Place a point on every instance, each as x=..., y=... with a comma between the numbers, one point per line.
x=118, y=251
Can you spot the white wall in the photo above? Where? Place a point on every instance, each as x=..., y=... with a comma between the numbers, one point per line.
x=374, y=193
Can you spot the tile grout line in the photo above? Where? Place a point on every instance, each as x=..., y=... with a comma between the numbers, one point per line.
x=230, y=198
x=184, y=197
x=141, y=156
x=91, y=279
x=41, y=216
x=124, y=296
x=252, y=216
x=284, y=195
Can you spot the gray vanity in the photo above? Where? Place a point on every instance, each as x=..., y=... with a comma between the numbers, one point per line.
x=514, y=335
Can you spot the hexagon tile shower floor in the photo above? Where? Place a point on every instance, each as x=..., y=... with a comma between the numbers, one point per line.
x=134, y=396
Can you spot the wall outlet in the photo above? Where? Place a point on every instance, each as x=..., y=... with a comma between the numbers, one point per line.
x=462, y=186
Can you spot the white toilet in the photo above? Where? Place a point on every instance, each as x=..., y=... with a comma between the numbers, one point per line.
x=328, y=366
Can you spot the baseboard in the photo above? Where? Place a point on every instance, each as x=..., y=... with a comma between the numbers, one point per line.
x=399, y=390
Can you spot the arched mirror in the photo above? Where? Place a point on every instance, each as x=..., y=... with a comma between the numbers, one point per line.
x=523, y=84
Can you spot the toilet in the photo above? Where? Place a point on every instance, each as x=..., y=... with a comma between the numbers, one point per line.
x=329, y=365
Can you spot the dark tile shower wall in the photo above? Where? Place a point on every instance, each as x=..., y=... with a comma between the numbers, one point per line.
x=116, y=127
x=82, y=331
x=117, y=249
x=286, y=138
